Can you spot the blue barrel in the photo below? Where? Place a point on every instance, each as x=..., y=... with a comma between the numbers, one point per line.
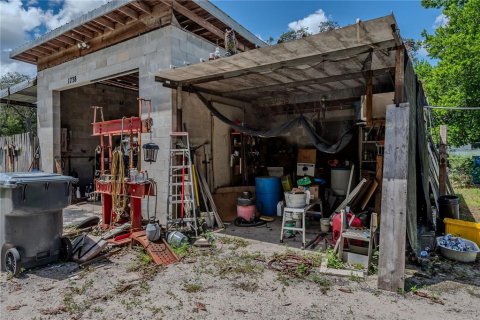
x=268, y=192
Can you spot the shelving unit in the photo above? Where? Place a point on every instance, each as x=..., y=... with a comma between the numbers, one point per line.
x=371, y=140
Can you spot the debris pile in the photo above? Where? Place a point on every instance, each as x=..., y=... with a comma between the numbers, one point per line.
x=455, y=243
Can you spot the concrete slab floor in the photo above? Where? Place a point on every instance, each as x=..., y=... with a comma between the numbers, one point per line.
x=270, y=233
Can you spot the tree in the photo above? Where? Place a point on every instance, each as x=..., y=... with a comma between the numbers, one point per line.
x=455, y=80
x=293, y=35
x=15, y=119
x=328, y=26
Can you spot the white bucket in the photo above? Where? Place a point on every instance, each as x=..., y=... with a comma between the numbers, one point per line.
x=325, y=224
x=295, y=200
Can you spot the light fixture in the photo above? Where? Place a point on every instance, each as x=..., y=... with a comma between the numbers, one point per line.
x=150, y=151
x=82, y=45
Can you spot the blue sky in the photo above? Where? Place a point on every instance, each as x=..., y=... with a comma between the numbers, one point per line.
x=271, y=18
x=23, y=20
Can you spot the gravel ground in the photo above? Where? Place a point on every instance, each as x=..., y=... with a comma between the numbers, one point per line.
x=231, y=281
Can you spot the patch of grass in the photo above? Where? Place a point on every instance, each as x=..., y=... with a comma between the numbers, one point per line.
x=354, y=277
x=243, y=264
x=131, y=303
x=373, y=267
x=283, y=279
x=301, y=270
x=469, y=203
x=192, y=287
x=473, y=293
x=81, y=290
x=97, y=309
x=322, y=282
x=236, y=243
x=333, y=261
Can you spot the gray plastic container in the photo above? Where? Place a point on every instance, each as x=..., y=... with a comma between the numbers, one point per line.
x=31, y=219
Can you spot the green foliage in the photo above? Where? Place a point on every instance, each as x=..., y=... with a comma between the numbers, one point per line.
x=460, y=170
x=293, y=35
x=333, y=261
x=15, y=119
x=455, y=80
x=328, y=26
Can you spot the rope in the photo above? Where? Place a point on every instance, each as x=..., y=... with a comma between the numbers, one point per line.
x=119, y=201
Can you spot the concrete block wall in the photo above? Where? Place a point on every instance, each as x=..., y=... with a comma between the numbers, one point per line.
x=77, y=117
x=146, y=53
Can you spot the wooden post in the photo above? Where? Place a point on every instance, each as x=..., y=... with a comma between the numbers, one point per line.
x=443, y=157
x=369, y=98
x=399, y=75
x=391, y=266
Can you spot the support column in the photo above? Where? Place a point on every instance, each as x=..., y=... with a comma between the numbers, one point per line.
x=391, y=265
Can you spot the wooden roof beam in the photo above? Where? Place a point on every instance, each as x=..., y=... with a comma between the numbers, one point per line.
x=129, y=12
x=199, y=20
x=57, y=43
x=141, y=5
x=34, y=53
x=321, y=80
x=66, y=40
x=48, y=47
x=30, y=57
x=41, y=50
x=105, y=23
x=84, y=32
x=93, y=27
x=117, y=18
x=75, y=36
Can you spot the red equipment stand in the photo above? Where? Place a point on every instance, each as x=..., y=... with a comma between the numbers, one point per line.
x=135, y=191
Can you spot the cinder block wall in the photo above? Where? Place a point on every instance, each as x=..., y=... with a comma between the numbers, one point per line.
x=77, y=116
x=148, y=54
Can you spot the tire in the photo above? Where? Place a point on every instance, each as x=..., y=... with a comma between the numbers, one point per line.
x=12, y=261
x=66, y=249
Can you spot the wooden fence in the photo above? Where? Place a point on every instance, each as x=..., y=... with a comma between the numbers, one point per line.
x=19, y=153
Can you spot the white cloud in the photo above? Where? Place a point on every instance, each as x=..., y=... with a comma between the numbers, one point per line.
x=19, y=23
x=312, y=21
x=440, y=21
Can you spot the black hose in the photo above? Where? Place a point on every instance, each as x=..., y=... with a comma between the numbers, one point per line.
x=240, y=222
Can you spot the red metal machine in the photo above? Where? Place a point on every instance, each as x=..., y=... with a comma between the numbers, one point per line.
x=124, y=186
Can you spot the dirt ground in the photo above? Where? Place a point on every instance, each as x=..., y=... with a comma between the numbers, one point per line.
x=232, y=281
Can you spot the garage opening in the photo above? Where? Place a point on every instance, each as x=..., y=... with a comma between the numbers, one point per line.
x=114, y=97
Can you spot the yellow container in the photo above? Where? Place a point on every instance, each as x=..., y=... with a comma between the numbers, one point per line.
x=464, y=229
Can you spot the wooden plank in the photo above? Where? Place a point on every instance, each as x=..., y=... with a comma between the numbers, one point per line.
x=399, y=76
x=129, y=12
x=141, y=5
x=105, y=22
x=443, y=157
x=369, y=98
x=319, y=80
x=391, y=267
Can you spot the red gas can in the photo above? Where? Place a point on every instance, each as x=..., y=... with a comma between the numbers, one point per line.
x=337, y=224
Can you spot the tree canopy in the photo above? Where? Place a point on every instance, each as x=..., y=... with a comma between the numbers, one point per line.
x=455, y=80
x=15, y=119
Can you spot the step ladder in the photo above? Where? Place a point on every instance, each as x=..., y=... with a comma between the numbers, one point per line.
x=181, y=193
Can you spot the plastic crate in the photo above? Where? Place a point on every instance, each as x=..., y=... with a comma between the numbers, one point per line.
x=464, y=229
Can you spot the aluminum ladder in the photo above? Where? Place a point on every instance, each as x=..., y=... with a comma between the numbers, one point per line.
x=181, y=193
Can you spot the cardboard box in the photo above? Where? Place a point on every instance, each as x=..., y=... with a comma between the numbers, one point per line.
x=314, y=192
x=307, y=155
x=305, y=169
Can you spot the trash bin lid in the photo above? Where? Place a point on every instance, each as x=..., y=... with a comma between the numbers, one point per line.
x=12, y=179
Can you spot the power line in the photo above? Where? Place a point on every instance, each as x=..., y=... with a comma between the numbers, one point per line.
x=453, y=108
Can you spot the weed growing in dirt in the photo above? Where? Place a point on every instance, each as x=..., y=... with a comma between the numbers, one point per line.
x=131, y=303
x=192, y=287
x=248, y=286
x=473, y=293
x=333, y=261
x=182, y=251
x=354, y=277
x=322, y=282
x=232, y=265
x=236, y=243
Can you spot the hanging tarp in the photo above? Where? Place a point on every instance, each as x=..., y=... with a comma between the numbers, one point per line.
x=320, y=143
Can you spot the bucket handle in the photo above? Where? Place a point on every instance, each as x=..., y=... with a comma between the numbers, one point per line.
x=67, y=188
x=24, y=189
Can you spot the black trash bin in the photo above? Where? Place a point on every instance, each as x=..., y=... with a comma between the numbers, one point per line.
x=448, y=207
